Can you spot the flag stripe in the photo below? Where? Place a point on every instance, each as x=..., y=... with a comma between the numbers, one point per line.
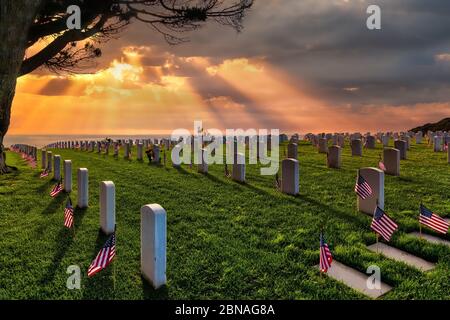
x=104, y=256
x=432, y=220
x=383, y=224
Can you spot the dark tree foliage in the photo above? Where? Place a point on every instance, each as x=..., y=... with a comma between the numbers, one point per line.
x=105, y=19
x=42, y=26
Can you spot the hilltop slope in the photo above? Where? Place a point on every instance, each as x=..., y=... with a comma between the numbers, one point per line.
x=443, y=125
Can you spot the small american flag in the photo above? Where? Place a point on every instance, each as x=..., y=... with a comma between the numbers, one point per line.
x=104, y=256
x=381, y=165
x=362, y=188
x=56, y=189
x=383, y=225
x=68, y=214
x=44, y=174
x=325, y=255
x=435, y=222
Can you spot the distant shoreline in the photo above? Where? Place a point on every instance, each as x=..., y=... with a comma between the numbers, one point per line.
x=42, y=140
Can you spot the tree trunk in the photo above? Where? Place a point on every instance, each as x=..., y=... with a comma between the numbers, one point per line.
x=16, y=17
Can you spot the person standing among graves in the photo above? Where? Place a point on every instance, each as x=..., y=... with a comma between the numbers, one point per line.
x=149, y=153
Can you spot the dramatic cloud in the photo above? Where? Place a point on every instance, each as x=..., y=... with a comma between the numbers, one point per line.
x=298, y=65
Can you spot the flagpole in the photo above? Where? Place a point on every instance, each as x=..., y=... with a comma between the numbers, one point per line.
x=420, y=225
x=320, y=254
x=114, y=262
x=114, y=275
x=378, y=236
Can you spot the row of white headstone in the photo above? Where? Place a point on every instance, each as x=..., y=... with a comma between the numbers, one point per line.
x=153, y=217
x=153, y=233
x=28, y=150
x=52, y=163
x=391, y=156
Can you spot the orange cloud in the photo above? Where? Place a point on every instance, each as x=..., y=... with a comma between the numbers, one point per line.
x=133, y=95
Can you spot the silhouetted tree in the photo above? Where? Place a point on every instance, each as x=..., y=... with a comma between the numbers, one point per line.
x=24, y=23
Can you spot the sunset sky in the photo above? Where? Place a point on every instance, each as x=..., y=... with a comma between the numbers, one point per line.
x=298, y=66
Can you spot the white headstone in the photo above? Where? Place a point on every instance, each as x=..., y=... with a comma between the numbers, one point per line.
x=44, y=159
x=334, y=157
x=419, y=137
x=290, y=176
x=140, y=153
x=375, y=178
x=178, y=151
x=238, y=173
x=407, y=139
x=67, y=175
x=153, y=244
x=356, y=146
x=292, y=150
x=323, y=145
x=57, y=167
x=202, y=167
x=107, y=207
x=83, y=187
x=49, y=161
x=391, y=160
x=437, y=141
x=385, y=140
x=370, y=143
x=156, y=154
x=402, y=147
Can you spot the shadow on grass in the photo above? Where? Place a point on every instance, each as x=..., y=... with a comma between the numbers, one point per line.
x=189, y=172
x=45, y=186
x=155, y=164
x=55, y=204
x=181, y=170
x=321, y=207
x=64, y=240
x=153, y=294
x=213, y=178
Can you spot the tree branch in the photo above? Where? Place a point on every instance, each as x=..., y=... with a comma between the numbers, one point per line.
x=57, y=45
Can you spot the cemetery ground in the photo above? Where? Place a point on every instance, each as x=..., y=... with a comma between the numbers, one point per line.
x=225, y=240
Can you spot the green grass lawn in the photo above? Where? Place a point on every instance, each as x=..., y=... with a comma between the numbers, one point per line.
x=224, y=240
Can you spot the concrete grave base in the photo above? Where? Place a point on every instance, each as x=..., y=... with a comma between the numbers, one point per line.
x=430, y=238
x=355, y=279
x=402, y=256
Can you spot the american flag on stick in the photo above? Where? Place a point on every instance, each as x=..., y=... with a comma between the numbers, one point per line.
x=68, y=214
x=382, y=224
x=44, y=174
x=325, y=255
x=362, y=188
x=435, y=222
x=56, y=189
x=104, y=257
